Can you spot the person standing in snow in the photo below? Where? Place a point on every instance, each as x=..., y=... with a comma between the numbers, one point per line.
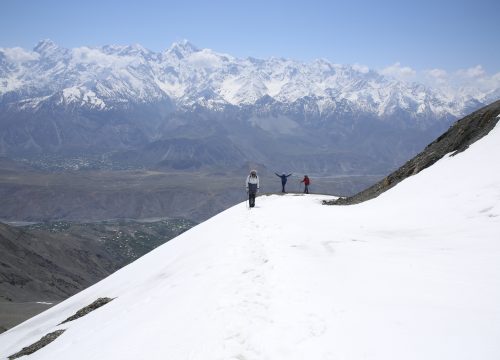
x=306, y=182
x=252, y=186
x=284, y=178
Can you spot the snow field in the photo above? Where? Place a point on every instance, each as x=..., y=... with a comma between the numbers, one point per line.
x=413, y=274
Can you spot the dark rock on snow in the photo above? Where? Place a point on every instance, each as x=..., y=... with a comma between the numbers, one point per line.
x=44, y=341
x=87, y=309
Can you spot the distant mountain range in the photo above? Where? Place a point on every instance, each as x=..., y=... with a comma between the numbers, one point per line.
x=189, y=108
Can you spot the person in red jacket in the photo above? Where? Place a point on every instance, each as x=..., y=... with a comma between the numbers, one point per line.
x=306, y=182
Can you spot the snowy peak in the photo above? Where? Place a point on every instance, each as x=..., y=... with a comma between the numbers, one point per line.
x=49, y=50
x=188, y=75
x=135, y=50
x=182, y=49
x=45, y=46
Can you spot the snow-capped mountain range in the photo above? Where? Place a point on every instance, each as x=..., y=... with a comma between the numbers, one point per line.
x=187, y=108
x=112, y=76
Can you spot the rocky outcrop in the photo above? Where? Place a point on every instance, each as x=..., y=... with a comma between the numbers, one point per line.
x=458, y=138
x=47, y=339
x=44, y=341
x=88, y=309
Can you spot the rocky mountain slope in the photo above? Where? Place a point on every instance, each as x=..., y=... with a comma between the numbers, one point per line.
x=51, y=261
x=48, y=262
x=458, y=138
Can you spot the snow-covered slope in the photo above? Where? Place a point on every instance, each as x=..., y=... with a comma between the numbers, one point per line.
x=412, y=274
x=114, y=76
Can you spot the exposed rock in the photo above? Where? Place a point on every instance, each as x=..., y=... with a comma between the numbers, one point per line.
x=87, y=309
x=44, y=341
x=457, y=139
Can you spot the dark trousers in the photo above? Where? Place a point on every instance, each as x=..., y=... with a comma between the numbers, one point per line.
x=251, y=199
x=306, y=189
x=283, y=187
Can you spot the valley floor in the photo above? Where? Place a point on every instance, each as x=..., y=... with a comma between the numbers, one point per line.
x=13, y=313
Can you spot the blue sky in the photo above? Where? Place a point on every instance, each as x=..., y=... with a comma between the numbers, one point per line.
x=420, y=34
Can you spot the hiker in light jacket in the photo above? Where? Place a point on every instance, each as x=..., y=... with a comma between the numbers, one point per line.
x=252, y=186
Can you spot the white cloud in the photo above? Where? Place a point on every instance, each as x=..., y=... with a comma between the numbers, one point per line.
x=476, y=71
x=470, y=82
x=436, y=73
x=434, y=77
x=96, y=56
x=464, y=82
x=476, y=77
x=361, y=68
x=19, y=55
x=205, y=59
x=399, y=72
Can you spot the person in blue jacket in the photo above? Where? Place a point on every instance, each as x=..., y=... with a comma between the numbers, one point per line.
x=284, y=178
